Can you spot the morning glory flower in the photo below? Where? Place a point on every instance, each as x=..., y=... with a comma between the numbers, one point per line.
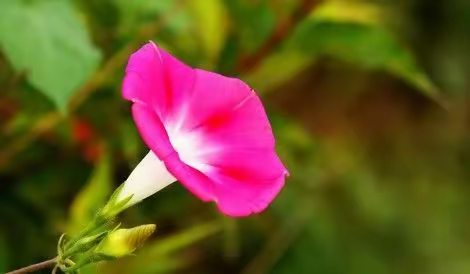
x=205, y=130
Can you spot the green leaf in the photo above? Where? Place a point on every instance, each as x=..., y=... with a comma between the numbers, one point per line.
x=92, y=197
x=48, y=41
x=171, y=244
x=210, y=19
x=135, y=12
x=254, y=21
x=348, y=11
x=354, y=33
x=163, y=265
x=268, y=75
x=143, y=7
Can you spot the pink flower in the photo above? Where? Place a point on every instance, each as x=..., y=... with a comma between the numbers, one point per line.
x=207, y=131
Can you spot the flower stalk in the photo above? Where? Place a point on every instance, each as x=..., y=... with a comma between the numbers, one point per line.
x=34, y=267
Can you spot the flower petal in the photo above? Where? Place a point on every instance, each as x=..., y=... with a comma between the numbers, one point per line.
x=213, y=94
x=249, y=179
x=144, y=75
x=152, y=131
x=194, y=180
x=253, y=167
x=155, y=77
x=240, y=202
x=245, y=126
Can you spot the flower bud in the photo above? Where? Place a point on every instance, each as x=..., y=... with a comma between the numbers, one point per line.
x=84, y=244
x=123, y=242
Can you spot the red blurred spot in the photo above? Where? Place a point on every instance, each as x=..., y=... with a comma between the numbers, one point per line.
x=84, y=135
x=82, y=131
x=92, y=151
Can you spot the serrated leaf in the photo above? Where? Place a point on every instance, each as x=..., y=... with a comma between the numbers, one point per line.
x=92, y=197
x=48, y=41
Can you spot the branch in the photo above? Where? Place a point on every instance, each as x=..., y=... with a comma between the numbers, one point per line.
x=281, y=31
x=34, y=267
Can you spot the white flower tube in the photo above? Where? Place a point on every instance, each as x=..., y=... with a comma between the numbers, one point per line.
x=147, y=178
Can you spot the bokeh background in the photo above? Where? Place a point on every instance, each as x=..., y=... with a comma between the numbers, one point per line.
x=368, y=101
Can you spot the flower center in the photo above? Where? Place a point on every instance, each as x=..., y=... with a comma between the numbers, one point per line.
x=190, y=147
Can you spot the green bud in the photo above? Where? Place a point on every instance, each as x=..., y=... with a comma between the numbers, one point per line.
x=84, y=244
x=123, y=242
x=100, y=223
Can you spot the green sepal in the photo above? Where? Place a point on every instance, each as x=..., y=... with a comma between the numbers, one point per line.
x=60, y=245
x=99, y=224
x=84, y=244
x=112, y=208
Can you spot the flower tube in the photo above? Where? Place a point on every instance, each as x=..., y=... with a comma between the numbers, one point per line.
x=205, y=130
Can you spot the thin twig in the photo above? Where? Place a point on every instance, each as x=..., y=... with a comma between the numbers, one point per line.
x=281, y=31
x=34, y=267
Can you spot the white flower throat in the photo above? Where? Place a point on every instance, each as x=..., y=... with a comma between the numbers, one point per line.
x=147, y=178
x=151, y=174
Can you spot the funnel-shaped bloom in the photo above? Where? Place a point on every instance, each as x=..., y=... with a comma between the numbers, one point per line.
x=207, y=131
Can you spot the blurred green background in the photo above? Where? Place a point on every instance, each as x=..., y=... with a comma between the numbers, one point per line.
x=368, y=101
